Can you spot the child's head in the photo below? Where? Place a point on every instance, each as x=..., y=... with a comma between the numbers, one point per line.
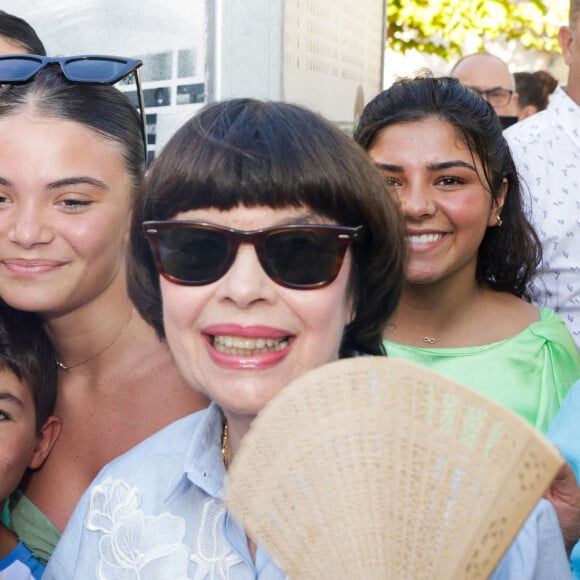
x=27, y=396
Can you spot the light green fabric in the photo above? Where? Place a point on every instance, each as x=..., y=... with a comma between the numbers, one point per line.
x=32, y=527
x=529, y=373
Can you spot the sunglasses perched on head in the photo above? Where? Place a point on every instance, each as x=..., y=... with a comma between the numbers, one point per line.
x=295, y=256
x=85, y=69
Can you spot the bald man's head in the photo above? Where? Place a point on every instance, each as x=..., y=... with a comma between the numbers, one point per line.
x=489, y=75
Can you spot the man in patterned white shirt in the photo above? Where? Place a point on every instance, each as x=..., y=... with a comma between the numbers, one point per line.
x=546, y=149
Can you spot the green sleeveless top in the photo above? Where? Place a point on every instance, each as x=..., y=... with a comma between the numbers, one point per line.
x=529, y=373
x=31, y=526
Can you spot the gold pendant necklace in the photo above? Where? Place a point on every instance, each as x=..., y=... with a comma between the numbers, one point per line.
x=67, y=367
x=226, y=444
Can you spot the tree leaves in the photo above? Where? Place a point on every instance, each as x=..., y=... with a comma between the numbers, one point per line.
x=443, y=27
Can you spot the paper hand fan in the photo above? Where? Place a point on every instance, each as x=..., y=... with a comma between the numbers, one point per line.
x=372, y=467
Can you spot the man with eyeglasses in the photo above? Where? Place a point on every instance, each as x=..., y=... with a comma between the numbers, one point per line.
x=490, y=76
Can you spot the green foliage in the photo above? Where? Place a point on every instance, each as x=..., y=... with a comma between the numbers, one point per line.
x=443, y=27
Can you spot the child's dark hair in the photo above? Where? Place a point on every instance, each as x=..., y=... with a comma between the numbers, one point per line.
x=26, y=351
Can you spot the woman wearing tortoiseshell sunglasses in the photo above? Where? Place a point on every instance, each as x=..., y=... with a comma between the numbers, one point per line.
x=266, y=245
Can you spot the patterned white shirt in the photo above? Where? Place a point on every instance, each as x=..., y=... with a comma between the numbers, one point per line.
x=546, y=150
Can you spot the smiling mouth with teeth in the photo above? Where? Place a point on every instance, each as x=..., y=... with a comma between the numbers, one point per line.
x=243, y=346
x=424, y=238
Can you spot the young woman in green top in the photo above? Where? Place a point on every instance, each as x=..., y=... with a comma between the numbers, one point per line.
x=465, y=309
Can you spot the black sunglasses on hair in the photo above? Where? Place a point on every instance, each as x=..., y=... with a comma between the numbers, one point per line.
x=90, y=69
x=302, y=257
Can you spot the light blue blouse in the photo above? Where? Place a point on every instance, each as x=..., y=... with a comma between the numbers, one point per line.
x=156, y=511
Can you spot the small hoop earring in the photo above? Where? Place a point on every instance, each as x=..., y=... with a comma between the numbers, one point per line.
x=499, y=220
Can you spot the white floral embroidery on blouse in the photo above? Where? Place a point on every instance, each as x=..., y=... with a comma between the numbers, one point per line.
x=135, y=546
x=213, y=556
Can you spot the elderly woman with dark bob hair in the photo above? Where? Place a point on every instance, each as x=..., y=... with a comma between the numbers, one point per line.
x=266, y=245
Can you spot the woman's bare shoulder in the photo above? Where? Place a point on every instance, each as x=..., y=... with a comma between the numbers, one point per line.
x=509, y=314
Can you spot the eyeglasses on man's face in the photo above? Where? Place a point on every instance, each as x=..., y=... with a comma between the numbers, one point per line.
x=497, y=96
x=85, y=69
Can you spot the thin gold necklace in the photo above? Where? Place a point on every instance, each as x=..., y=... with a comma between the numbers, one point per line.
x=66, y=367
x=226, y=444
x=431, y=340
